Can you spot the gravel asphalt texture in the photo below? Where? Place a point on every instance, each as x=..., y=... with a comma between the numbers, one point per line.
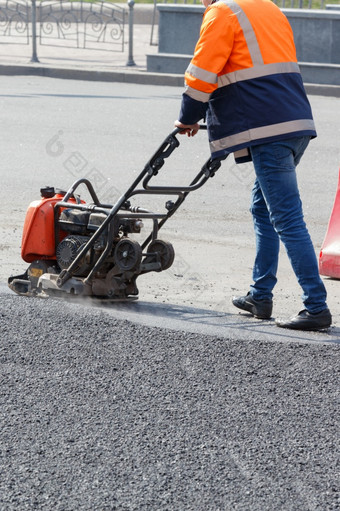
x=198, y=408
x=105, y=414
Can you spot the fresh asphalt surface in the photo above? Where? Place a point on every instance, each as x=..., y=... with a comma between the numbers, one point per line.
x=99, y=413
x=175, y=402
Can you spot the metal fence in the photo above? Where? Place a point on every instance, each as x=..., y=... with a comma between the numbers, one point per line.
x=14, y=18
x=81, y=24
x=59, y=23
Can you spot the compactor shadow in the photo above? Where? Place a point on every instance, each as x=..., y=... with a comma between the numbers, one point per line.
x=210, y=322
x=239, y=326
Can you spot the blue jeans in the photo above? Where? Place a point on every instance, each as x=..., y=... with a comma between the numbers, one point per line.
x=277, y=214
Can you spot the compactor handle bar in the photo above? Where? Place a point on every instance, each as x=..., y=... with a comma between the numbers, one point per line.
x=157, y=161
x=178, y=130
x=151, y=169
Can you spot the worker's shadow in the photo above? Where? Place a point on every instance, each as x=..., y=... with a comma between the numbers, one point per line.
x=240, y=325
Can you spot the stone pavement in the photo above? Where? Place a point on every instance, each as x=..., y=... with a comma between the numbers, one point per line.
x=88, y=64
x=101, y=65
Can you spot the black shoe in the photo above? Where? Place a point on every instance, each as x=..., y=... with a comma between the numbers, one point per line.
x=261, y=309
x=307, y=321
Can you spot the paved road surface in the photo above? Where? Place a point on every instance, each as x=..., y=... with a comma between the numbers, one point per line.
x=59, y=130
x=102, y=413
x=104, y=408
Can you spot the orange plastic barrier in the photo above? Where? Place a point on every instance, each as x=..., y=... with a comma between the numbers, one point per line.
x=329, y=259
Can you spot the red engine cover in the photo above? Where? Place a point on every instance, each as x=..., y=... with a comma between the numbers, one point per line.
x=38, y=238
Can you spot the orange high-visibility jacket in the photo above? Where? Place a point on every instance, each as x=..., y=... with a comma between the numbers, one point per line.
x=245, y=79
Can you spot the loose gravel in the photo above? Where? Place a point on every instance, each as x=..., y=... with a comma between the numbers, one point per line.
x=104, y=414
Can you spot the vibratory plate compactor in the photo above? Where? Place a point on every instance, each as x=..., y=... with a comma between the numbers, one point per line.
x=90, y=248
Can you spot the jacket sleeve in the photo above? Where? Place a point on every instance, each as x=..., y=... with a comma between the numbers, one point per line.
x=192, y=110
x=210, y=57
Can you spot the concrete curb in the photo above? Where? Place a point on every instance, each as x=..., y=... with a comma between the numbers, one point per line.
x=322, y=90
x=129, y=76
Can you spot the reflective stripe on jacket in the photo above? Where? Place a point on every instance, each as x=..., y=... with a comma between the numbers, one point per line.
x=244, y=77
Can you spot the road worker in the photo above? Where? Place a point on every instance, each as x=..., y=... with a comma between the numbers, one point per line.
x=244, y=79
